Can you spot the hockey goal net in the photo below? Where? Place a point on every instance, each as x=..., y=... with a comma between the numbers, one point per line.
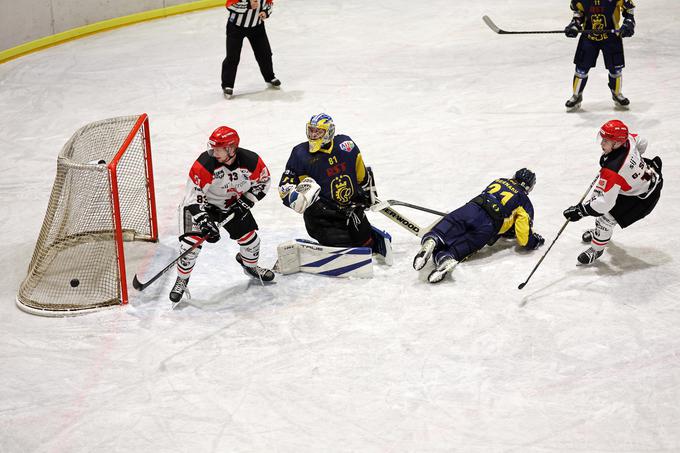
x=103, y=195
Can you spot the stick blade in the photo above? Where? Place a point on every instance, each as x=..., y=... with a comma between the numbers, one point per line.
x=487, y=20
x=136, y=284
x=522, y=285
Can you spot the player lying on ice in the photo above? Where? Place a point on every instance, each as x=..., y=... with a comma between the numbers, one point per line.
x=502, y=209
x=326, y=180
x=628, y=189
x=224, y=180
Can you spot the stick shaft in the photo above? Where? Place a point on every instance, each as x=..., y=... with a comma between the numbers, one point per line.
x=522, y=285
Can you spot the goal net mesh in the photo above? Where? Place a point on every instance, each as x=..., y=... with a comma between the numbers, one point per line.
x=75, y=265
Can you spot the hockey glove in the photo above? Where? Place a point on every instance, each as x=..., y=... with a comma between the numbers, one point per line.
x=571, y=30
x=536, y=241
x=208, y=227
x=241, y=207
x=627, y=29
x=574, y=213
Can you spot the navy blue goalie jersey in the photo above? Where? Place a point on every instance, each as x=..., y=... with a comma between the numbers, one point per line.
x=338, y=169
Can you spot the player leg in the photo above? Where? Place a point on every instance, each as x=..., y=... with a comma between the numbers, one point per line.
x=579, y=84
x=612, y=50
x=186, y=264
x=604, y=228
x=584, y=59
x=263, y=53
x=470, y=228
x=244, y=232
x=230, y=64
x=328, y=226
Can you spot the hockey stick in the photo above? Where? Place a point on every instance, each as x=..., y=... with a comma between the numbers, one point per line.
x=139, y=286
x=522, y=285
x=414, y=206
x=384, y=208
x=495, y=29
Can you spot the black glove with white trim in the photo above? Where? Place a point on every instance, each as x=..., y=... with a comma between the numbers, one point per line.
x=208, y=227
x=575, y=213
x=627, y=28
x=241, y=207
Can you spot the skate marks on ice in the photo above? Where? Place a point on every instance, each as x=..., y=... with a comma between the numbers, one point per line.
x=246, y=295
x=603, y=276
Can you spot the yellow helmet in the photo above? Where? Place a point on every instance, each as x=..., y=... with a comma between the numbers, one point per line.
x=320, y=131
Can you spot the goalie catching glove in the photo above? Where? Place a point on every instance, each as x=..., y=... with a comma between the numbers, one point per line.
x=303, y=195
x=208, y=227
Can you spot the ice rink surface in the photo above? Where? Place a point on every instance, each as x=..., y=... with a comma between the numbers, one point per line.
x=584, y=359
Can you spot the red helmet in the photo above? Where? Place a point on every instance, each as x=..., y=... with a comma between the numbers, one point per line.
x=222, y=137
x=614, y=131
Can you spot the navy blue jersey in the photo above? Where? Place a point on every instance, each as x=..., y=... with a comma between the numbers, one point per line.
x=515, y=207
x=338, y=170
x=602, y=15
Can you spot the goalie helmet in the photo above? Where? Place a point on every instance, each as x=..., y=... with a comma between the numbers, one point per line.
x=320, y=131
x=614, y=131
x=223, y=137
x=526, y=178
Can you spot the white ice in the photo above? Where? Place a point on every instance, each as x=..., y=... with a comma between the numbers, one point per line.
x=584, y=359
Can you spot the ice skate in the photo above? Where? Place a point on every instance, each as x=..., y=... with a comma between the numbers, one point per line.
x=179, y=288
x=620, y=100
x=256, y=272
x=274, y=83
x=589, y=255
x=228, y=92
x=442, y=269
x=424, y=254
x=574, y=102
x=587, y=235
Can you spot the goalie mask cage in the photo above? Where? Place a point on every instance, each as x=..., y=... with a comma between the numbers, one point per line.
x=79, y=263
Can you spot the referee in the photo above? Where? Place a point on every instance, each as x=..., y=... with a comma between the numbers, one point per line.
x=246, y=20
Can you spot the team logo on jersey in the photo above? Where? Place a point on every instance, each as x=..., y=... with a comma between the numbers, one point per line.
x=219, y=174
x=342, y=189
x=347, y=146
x=602, y=183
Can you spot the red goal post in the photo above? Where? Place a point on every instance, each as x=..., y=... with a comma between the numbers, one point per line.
x=103, y=196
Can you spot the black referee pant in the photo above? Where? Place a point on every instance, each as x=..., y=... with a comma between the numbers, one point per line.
x=258, y=41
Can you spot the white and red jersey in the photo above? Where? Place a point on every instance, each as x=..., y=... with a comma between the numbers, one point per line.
x=624, y=172
x=220, y=185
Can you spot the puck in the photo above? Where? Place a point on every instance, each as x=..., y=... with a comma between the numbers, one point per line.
x=75, y=282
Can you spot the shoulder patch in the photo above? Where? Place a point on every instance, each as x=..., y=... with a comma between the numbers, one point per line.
x=347, y=145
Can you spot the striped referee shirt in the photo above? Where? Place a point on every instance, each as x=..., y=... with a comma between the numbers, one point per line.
x=240, y=13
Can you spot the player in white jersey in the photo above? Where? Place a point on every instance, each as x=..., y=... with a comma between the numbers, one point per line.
x=628, y=188
x=224, y=180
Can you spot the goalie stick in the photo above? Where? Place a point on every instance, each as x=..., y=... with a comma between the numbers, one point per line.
x=384, y=208
x=139, y=286
x=522, y=285
x=495, y=29
x=387, y=203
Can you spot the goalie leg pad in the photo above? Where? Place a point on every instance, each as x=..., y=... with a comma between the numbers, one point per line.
x=382, y=245
x=305, y=256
